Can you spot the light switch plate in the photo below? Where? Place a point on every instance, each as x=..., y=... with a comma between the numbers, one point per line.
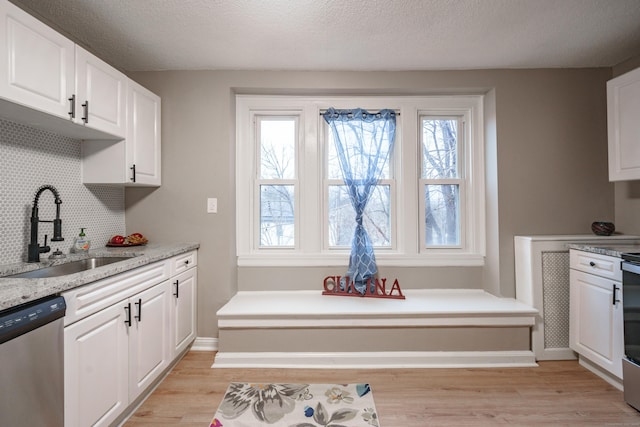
x=212, y=205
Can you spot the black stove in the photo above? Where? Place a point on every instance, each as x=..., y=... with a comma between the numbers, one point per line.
x=631, y=324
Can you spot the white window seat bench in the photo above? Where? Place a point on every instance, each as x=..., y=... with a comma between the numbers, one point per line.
x=430, y=328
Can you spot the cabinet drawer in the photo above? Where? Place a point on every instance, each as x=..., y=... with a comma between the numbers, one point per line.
x=183, y=262
x=86, y=300
x=600, y=265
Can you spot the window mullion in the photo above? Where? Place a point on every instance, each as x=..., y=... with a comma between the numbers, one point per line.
x=310, y=185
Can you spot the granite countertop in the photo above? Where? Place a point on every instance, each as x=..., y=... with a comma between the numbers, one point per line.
x=15, y=291
x=613, y=249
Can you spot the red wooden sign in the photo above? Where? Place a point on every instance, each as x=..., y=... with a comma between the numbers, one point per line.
x=376, y=288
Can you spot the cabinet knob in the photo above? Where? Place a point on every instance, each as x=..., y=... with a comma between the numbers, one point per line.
x=186, y=262
x=592, y=264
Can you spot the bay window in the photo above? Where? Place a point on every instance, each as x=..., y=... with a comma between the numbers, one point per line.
x=293, y=208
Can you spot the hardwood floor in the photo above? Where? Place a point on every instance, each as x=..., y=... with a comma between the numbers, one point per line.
x=558, y=393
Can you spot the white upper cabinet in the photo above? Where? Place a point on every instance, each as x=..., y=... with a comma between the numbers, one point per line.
x=143, y=136
x=37, y=63
x=623, y=122
x=48, y=82
x=134, y=161
x=101, y=93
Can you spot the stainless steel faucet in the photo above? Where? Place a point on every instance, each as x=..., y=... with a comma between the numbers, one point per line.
x=34, y=247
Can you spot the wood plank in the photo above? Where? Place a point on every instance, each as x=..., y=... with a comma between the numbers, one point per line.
x=557, y=393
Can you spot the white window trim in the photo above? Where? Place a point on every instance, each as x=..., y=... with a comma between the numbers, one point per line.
x=310, y=251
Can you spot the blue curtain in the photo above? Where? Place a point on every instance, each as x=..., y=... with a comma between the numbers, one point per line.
x=364, y=142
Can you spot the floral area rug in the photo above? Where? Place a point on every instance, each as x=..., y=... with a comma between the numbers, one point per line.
x=296, y=405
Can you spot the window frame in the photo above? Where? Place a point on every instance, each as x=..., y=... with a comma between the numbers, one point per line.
x=327, y=182
x=259, y=181
x=311, y=247
x=460, y=181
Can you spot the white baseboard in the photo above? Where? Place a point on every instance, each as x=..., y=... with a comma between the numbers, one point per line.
x=556, y=354
x=205, y=344
x=375, y=360
x=607, y=376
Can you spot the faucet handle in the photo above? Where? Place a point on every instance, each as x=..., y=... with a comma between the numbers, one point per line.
x=45, y=248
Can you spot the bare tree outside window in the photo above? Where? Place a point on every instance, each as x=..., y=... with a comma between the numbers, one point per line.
x=277, y=173
x=377, y=214
x=441, y=181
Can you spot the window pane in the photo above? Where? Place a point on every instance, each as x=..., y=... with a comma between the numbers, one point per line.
x=333, y=163
x=277, y=215
x=439, y=148
x=376, y=220
x=442, y=215
x=277, y=148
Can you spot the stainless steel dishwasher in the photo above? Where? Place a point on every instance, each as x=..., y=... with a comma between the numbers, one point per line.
x=32, y=365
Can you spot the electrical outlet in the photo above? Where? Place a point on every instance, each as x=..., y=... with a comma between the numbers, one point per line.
x=212, y=205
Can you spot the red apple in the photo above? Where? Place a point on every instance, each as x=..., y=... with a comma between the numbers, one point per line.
x=117, y=240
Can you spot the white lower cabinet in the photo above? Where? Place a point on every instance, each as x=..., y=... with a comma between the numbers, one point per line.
x=184, y=288
x=124, y=332
x=96, y=368
x=149, y=350
x=596, y=322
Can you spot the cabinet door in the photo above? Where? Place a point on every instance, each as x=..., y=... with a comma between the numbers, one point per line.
x=100, y=94
x=149, y=349
x=96, y=368
x=143, y=136
x=595, y=327
x=184, y=287
x=623, y=126
x=36, y=63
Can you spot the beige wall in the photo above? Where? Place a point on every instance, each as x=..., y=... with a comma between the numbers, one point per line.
x=551, y=156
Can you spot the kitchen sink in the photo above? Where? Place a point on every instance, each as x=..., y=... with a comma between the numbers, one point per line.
x=68, y=268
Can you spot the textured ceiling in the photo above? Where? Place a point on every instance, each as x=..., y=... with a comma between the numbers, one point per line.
x=136, y=35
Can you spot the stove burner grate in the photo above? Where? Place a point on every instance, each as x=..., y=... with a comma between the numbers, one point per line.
x=631, y=257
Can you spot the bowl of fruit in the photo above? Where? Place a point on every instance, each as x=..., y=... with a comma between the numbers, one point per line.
x=135, y=239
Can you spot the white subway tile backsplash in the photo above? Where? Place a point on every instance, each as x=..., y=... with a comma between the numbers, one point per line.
x=30, y=158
